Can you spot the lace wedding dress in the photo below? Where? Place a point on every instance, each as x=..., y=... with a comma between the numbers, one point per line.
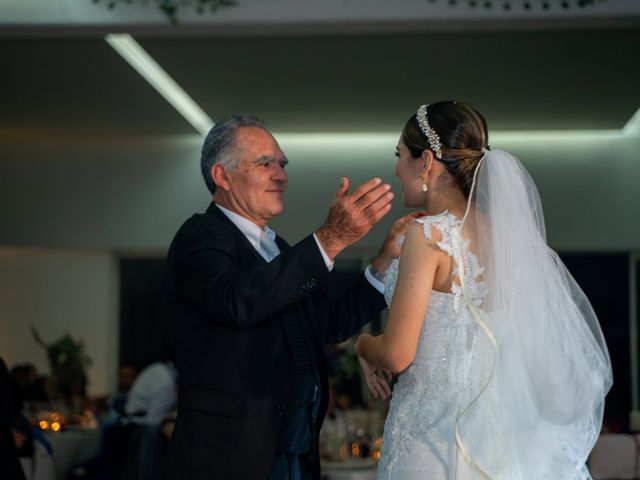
x=419, y=441
x=511, y=368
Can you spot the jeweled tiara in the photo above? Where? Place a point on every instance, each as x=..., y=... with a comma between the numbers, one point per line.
x=430, y=133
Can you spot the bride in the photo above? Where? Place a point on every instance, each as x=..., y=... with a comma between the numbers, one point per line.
x=503, y=364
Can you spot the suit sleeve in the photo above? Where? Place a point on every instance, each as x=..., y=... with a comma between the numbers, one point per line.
x=348, y=311
x=205, y=268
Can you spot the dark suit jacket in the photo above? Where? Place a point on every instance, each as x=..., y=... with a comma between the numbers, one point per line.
x=226, y=308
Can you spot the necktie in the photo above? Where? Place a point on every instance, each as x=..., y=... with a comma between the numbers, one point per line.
x=268, y=246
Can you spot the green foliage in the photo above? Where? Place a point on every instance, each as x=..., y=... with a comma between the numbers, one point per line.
x=171, y=7
x=69, y=361
x=349, y=366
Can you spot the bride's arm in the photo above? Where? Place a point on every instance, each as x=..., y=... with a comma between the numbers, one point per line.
x=395, y=349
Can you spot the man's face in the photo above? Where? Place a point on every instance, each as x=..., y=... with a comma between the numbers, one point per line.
x=256, y=188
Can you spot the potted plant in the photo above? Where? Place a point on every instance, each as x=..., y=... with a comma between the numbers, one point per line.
x=69, y=361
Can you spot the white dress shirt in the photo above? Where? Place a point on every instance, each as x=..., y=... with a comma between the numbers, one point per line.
x=153, y=393
x=253, y=234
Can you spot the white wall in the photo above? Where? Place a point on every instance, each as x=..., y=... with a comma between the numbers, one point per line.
x=105, y=194
x=132, y=195
x=587, y=180
x=59, y=291
x=588, y=184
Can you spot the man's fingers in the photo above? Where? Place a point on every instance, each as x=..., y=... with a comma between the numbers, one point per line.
x=343, y=188
x=380, y=213
x=372, y=196
x=365, y=188
x=379, y=204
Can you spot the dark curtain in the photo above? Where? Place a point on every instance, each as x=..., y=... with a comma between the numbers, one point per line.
x=143, y=316
x=605, y=280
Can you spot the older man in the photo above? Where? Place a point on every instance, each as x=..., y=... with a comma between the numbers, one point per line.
x=250, y=314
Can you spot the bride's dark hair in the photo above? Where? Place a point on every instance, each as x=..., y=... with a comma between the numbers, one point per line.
x=463, y=134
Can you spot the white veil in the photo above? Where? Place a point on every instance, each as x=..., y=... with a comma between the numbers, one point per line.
x=540, y=353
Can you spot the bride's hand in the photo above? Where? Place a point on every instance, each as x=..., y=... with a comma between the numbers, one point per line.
x=390, y=248
x=377, y=380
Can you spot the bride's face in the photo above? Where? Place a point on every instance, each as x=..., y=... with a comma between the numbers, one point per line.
x=408, y=172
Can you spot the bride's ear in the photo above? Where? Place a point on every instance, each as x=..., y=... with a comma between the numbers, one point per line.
x=427, y=161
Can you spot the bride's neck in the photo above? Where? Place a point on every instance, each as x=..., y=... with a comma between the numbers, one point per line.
x=450, y=199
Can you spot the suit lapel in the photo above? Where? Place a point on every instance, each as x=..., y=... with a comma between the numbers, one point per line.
x=304, y=306
x=217, y=213
x=282, y=244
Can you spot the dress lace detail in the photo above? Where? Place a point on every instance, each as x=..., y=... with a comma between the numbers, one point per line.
x=419, y=438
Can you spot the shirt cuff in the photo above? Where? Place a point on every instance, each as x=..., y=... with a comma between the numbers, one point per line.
x=371, y=278
x=327, y=262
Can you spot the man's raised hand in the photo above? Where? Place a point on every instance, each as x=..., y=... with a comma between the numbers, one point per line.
x=352, y=215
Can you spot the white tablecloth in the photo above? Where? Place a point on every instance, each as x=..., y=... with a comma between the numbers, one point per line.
x=336, y=472
x=72, y=447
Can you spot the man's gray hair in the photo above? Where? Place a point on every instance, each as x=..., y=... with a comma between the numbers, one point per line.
x=219, y=145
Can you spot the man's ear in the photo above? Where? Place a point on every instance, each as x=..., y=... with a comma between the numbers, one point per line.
x=220, y=177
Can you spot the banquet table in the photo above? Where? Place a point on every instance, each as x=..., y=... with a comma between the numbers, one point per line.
x=72, y=447
x=350, y=470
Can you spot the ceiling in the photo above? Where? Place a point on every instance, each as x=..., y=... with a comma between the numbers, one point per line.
x=75, y=86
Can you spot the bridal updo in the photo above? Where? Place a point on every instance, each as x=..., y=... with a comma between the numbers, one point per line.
x=463, y=136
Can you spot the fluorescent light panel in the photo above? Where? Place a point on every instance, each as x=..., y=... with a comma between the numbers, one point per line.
x=153, y=73
x=633, y=125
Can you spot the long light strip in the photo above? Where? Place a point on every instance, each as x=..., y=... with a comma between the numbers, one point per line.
x=141, y=61
x=633, y=125
x=146, y=66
